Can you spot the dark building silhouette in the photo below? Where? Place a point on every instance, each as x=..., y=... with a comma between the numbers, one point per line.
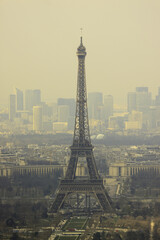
x=32, y=98
x=36, y=97
x=108, y=106
x=157, y=101
x=19, y=100
x=12, y=107
x=66, y=108
x=95, y=101
x=131, y=101
x=68, y=102
x=139, y=100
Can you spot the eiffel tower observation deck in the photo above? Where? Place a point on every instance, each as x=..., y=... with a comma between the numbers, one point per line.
x=72, y=189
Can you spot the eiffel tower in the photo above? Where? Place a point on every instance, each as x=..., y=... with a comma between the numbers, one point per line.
x=81, y=147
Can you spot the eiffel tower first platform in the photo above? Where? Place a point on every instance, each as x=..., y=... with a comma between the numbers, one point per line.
x=92, y=186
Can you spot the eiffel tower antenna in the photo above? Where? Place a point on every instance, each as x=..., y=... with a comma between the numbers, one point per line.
x=81, y=31
x=81, y=147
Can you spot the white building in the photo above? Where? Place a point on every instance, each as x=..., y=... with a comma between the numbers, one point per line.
x=37, y=118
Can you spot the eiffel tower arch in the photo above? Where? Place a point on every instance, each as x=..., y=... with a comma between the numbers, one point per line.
x=91, y=187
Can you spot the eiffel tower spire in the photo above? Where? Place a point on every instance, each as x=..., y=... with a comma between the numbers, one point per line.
x=82, y=147
x=81, y=131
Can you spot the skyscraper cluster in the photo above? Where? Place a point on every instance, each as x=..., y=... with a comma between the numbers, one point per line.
x=29, y=110
x=100, y=109
x=142, y=112
x=140, y=100
x=18, y=102
x=21, y=106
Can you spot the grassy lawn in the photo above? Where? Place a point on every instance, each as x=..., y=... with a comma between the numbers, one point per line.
x=75, y=223
x=67, y=238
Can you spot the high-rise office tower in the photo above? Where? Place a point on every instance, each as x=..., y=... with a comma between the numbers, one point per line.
x=142, y=89
x=69, y=102
x=28, y=100
x=143, y=99
x=19, y=99
x=36, y=97
x=108, y=106
x=140, y=100
x=135, y=120
x=63, y=113
x=95, y=99
x=12, y=107
x=54, y=111
x=37, y=118
x=157, y=101
x=131, y=101
x=47, y=115
x=32, y=98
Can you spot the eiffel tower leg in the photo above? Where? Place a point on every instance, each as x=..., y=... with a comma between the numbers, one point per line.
x=86, y=200
x=89, y=202
x=108, y=197
x=104, y=201
x=93, y=173
x=59, y=200
x=77, y=200
x=71, y=170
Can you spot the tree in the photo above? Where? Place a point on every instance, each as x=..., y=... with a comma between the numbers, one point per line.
x=117, y=236
x=15, y=237
x=155, y=233
x=10, y=222
x=131, y=235
x=97, y=236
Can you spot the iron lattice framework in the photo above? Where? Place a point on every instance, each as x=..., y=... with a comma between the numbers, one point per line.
x=81, y=147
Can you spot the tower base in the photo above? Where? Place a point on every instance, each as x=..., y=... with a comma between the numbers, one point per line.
x=92, y=188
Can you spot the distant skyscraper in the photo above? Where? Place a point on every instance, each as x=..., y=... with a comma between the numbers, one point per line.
x=142, y=89
x=63, y=113
x=131, y=101
x=95, y=99
x=143, y=99
x=69, y=102
x=54, y=111
x=157, y=101
x=36, y=97
x=139, y=100
x=19, y=99
x=28, y=100
x=12, y=107
x=37, y=118
x=135, y=120
x=32, y=98
x=108, y=106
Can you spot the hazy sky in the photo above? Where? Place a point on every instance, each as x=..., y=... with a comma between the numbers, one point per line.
x=39, y=39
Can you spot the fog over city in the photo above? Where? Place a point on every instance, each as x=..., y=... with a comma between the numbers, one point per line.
x=80, y=119
x=39, y=39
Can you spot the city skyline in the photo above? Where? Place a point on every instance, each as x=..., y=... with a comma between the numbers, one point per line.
x=121, y=38
x=25, y=92
x=141, y=113
x=54, y=184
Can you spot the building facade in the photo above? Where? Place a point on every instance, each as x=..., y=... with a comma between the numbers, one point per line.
x=37, y=118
